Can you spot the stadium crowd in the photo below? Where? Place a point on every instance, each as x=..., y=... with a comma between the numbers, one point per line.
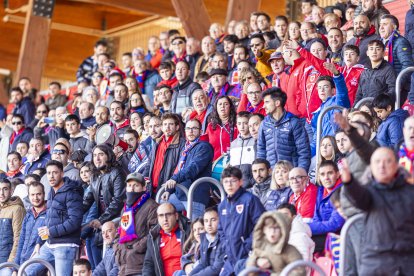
x=80, y=172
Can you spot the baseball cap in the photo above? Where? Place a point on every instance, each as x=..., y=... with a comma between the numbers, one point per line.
x=136, y=176
x=218, y=71
x=275, y=55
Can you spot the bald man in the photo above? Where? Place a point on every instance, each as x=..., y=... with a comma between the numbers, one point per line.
x=107, y=266
x=165, y=242
x=304, y=193
x=364, y=33
x=387, y=242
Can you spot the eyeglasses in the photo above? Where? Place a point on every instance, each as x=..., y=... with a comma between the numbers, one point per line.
x=17, y=123
x=256, y=45
x=166, y=215
x=191, y=129
x=58, y=151
x=178, y=43
x=42, y=111
x=297, y=178
x=254, y=93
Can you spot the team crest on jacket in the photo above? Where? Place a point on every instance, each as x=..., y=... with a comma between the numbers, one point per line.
x=126, y=220
x=239, y=208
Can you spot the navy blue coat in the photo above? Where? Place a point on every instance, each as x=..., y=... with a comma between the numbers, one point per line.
x=409, y=27
x=3, y=112
x=29, y=235
x=238, y=216
x=211, y=257
x=65, y=213
x=277, y=197
x=26, y=108
x=389, y=131
x=198, y=164
x=25, y=136
x=285, y=139
x=39, y=163
x=326, y=219
x=401, y=54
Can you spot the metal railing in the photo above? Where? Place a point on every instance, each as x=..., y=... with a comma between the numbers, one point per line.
x=319, y=129
x=344, y=237
x=362, y=101
x=33, y=261
x=193, y=187
x=299, y=263
x=9, y=264
x=251, y=269
x=398, y=86
x=164, y=189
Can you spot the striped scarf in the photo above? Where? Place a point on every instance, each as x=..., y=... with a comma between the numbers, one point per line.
x=183, y=156
x=389, y=47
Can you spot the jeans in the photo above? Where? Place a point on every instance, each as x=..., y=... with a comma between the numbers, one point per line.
x=94, y=253
x=63, y=257
x=198, y=208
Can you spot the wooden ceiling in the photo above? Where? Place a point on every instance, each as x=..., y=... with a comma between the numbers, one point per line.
x=67, y=49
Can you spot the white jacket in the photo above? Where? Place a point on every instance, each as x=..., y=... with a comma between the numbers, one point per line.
x=300, y=237
x=5, y=134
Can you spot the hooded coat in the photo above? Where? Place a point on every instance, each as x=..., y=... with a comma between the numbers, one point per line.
x=390, y=130
x=279, y=254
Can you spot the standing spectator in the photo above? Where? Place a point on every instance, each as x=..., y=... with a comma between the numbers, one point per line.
x=219, y=85
x=49, y=132
x=254, y=99
x=195, y=162
x=292, y=141
x=139, y=216
x=239, y=213
x=165, y=242
x=147, y=79
x=374, y=10
x=11, y=217
x=63, y=225
x=41, y=112
x=108, y=266
x=127, y=63
x=409, y=24
x=90, y=64
x=154, y=55
x=386, y=244
x=254, y=126
x=164, y=97
x=306, y=8
x=55, y=98
x=38, y=156
x=318, y=14
x=193, y=53
x=34, y=219
x=406, y=160
x=82, y=267
x=179, y=49
x=20, y=132
x=217, y=33
x=23, y=105
x=336, y=43
x=208, y=48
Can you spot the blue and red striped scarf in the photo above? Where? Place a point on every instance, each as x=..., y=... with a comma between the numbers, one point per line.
x=389, y=47
x=183, y=156
x=141, y=79
x=223, y=91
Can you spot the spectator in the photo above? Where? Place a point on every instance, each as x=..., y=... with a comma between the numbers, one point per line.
x=195, y=162
x=389, y=133
x=308, y=33
x=278, y=65
x=405, y=159
x=208, y=48
x=179, y=49
x=120, y=122
x=108, y=266
x=86, y=117
x=22, y=148
x=14, y=165
x=300, y=233
x=183, y=91
x=90, y=64
x=388, y=195
x=332, y=20
x=166, y=71
x=131, y=138
x=336, y=43
x=63, y=225
x=191, y=248
x=254, y=99
x=219, y=85
x=121, y=93
x=34, y=219
x=239, y=213
x=318, y=14
x=154, y=55
x=55, y=98
x=374, y=10
x=254, y=125
x=271, y=250
x=306, y=8
x=279, y=192
x=364, y=33
x=41, y=112
x=261, y=174
x=304, y=193
x=165, y=243
x=130, y=251
x=146, y=78
x=23, y=104
x=217, y=33
x=20, y=132
x=78, y=140
x=193, y=53
x=409, y=23
x=137, y=104
x=292, y=143
x=164, y=96
x=294, y=31
x=165, y=154
x=326, y=218
x=219, y=61
x=135, y=122
x=127, y=63
x=50, y=133
x=242, y=152
x=379, y=77
x=82, y=267
x=230, y=42
x=261, y=55
x=201, y=108
x=38, y=156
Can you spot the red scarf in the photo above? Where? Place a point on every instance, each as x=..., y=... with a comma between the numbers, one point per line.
x=370, y=32
x=172, y=82
x=159, y=159
x=15, y=134
x=176, y=59
x=200, y=118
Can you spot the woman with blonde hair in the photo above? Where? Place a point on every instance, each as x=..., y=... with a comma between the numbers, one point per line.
x=280, y=191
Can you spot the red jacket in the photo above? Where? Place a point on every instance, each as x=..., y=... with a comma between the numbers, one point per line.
x=244, y=102
x=306, y=201
x=219, y=138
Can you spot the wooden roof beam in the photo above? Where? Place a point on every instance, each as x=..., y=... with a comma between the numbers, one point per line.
x=241, y=9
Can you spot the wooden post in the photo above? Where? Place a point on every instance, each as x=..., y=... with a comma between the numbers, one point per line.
x=194, y=17
x=34, y=47
x=241, y=9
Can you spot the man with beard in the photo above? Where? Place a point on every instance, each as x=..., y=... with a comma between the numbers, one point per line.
x=364, y=33
x=86, y=111
x=261, y=172
x=374, y=10
x=120, y=122
x=23, y=104
x=102, y=118
x=131, y=137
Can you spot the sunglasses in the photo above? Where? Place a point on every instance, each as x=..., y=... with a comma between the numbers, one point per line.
x=58, y=151
x=178, y=43
x=17, y=123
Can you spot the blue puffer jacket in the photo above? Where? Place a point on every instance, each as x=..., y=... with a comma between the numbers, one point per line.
x=409, y=26
x=211, y=257
x=277, y=197
x=390, y=132
x=401, y=53
x=238, y=216
x=326, y=218
x=198, y=164
x=328, y=125
x=285, y=139
x=26, y=108
x=65, y=213
x=39, y=163
x=151, y=82
x=29, y=235
x=25, y=136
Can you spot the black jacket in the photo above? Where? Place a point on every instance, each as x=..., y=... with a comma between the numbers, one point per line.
x=50, y=134
x=153, y=264
x=26, y=108
x=112, y=186
x=388, y=241
x=211, y=257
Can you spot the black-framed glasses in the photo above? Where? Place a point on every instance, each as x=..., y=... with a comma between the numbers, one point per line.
x=17, y=123
x=192, y=129
x=166, y=215
x=297, y=178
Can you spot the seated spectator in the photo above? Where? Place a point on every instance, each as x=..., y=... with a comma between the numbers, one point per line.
x=132, y=245
x=261, y=174
x=14, y=166
x=379, y=77
x=300, y=235
x=195, y=162
x=119, y=120
x=165, y=242
x=292, y=143
x=405, y=158
x=78, y=139
x=86, y=111
x=304, y=193
x=242, y=151
x=219, y=85
x=164, y=97
x=390, y=130
x=55, y=99
x=326, y=218
x=387, y=196
x=20, y=132
x=193, y=53
x=374, y=11
x=239, y=213
x=42, y=111
x=328, y=150
x=34, y=219
x=108, y=265
x=254, y=124
x=271, y=250
x=335, y=48
x=201, y=109
x=147, y=79
x=166, y=71
x=154, y=55
x=82, y=267
x=278, y=65
x=23, y=105
x=23, y=148
x=137, y=104
x=38, y=156
x=179, y=47
x=279, y=192
x=221, y=129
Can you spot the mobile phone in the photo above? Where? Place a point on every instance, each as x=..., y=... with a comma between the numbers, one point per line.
x=49, y=120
